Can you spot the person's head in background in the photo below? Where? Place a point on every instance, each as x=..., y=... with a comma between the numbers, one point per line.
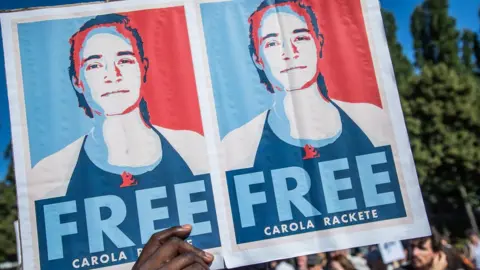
x=358, y=252
x=443, y=238
x=314, y=262
x=344, y=252
x=472, y=237
x=374, y=259
x=424, y=251
x=286, y=264
x=340, y=262
x=301, y=262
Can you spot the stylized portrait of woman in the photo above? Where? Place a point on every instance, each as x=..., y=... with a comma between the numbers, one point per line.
x=286, y=46
x=108, y=71
x=125, y=176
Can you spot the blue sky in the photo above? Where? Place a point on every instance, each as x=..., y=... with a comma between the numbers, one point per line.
x=465, y=11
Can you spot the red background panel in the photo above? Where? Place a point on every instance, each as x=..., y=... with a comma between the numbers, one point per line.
x=170, y=92
x=347, y=63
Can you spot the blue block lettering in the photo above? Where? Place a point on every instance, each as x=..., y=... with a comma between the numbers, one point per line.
x=331, y=186
x=242, y=186
x=283, y=196
x=187, y=208
x=56, y=230
x=146, y=214
x=96, y=226
x=370, y=180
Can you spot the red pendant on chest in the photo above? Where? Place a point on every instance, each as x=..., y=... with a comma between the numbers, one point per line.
x=310, y=152
x=128, y=180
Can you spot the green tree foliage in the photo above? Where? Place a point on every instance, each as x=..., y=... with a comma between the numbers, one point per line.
x=468, y=44
x=445, y=130
x=476, y=51
x=442, y=112
x=435, y=35
x=476, y=48
x=8, y=212
x=476, y=67
x=402, y=67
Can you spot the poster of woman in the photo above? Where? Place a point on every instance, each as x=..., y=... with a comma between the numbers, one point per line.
x=116, y=146
x=306, y=131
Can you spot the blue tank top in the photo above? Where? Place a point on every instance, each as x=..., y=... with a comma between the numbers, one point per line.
x=89, y=181
x=274, y=152
x=277, y=158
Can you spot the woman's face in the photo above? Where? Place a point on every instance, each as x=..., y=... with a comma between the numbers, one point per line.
x=110, y=72
x=288, y=50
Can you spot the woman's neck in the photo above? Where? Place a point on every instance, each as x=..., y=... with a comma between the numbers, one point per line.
x=310, y=115
x=126, y=140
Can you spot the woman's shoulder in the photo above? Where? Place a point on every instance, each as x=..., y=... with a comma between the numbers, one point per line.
x=191, y=146
x=51, y=175
x=373, y=120
x=240, y=145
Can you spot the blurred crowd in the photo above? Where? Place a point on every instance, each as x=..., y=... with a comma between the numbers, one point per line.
x=428, y=253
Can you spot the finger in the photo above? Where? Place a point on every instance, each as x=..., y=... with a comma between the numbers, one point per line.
x=186, y=260
x=160, y=238
x=174, y=247
x=443, y=258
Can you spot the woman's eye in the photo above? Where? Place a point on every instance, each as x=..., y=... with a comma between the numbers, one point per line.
x=126, y=61
x=94, y=66
x=303, y=38
x=271, y=44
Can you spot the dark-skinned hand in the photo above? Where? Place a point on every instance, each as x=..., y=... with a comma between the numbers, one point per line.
x=168, y=250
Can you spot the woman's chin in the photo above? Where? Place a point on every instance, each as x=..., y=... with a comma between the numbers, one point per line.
x=116, y=113
x=121, y=111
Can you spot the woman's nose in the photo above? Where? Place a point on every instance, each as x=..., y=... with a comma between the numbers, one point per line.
x=290, y=50
x=113, y=73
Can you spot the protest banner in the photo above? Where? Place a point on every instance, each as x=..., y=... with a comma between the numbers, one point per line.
x=391, y=251
x=273, y=127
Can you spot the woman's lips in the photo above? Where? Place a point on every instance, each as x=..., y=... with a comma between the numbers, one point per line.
x=293, y=68
x=115, y=92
